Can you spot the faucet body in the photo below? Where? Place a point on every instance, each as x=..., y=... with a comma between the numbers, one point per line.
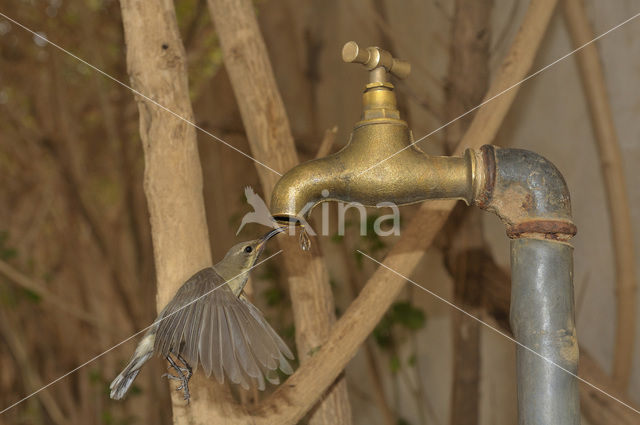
x=408, y=177
x=379, y=164
x=528, y=193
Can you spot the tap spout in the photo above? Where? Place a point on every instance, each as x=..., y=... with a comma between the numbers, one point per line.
x=369, y=170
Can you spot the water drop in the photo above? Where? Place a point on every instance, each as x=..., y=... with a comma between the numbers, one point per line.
x=304, y=240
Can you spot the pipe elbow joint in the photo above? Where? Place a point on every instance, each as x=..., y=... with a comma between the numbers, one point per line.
x=527, y=192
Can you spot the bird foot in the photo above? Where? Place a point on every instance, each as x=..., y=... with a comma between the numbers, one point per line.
x=184, y=374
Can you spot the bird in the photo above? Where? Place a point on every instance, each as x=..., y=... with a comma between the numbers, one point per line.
x=260, y=213
x=210, y=322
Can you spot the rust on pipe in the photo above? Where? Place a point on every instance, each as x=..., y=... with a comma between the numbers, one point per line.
x=548, y=229
x=526, y=191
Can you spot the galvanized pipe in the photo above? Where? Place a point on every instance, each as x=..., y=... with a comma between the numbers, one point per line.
x=542, y=320
x=531, y=197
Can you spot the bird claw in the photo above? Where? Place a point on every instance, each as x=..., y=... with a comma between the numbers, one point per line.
x=170, y=376
x=184, y=375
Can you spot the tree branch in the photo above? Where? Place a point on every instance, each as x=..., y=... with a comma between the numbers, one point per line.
x=156, y=65
x=29, y=372
x=588, y=60
x=467, y=84
x=38, y=288
x=269, y=134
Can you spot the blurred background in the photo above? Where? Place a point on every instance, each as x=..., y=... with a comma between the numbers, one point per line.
x=76, y=264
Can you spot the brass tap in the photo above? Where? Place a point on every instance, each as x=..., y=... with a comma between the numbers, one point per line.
x=378, y=99
x=379, y=164
x=376, y=60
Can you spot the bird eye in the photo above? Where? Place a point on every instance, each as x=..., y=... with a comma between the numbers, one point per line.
x=248, y=249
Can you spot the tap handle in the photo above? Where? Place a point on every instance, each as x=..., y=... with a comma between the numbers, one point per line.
x=375, y=57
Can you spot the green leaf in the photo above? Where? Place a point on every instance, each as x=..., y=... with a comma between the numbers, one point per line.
x=371, y=219
x=107, y=417
x=407, y=315
x=313, y=351
x=6, y=253
x=135, y=390
x=333, y=284
x=289, y=332
x=271, y=272
x=382, y=332
x=394, y=364
x=337, y=238
x=8, y=296
x=31, y=295
x=359, y=259
x=273, y=296
x=95, y=377
x=411, y=361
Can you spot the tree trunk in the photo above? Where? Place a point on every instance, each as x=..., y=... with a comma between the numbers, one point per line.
x=592, y=75
x=269, y=134
x=467, y=83
x=173, y=177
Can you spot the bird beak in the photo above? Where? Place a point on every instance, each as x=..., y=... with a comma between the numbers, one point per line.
x=269, y=235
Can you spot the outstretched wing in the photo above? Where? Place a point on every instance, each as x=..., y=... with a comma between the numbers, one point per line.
x=227, y=335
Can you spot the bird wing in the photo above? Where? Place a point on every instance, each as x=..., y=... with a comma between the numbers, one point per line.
x=226, y=334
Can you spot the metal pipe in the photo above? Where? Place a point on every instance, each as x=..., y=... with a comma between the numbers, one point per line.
x=531, y=198
x=542, y=319
x=526, y=191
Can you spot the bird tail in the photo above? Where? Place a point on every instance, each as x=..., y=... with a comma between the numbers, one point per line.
x=123, y=381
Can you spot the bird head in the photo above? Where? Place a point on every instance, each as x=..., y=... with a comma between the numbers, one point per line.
x=240, y=258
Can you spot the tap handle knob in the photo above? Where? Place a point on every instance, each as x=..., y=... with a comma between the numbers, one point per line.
x=375, y=57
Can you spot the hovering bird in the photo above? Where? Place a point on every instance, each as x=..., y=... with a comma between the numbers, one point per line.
x=209, y=322
x=260, y=213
